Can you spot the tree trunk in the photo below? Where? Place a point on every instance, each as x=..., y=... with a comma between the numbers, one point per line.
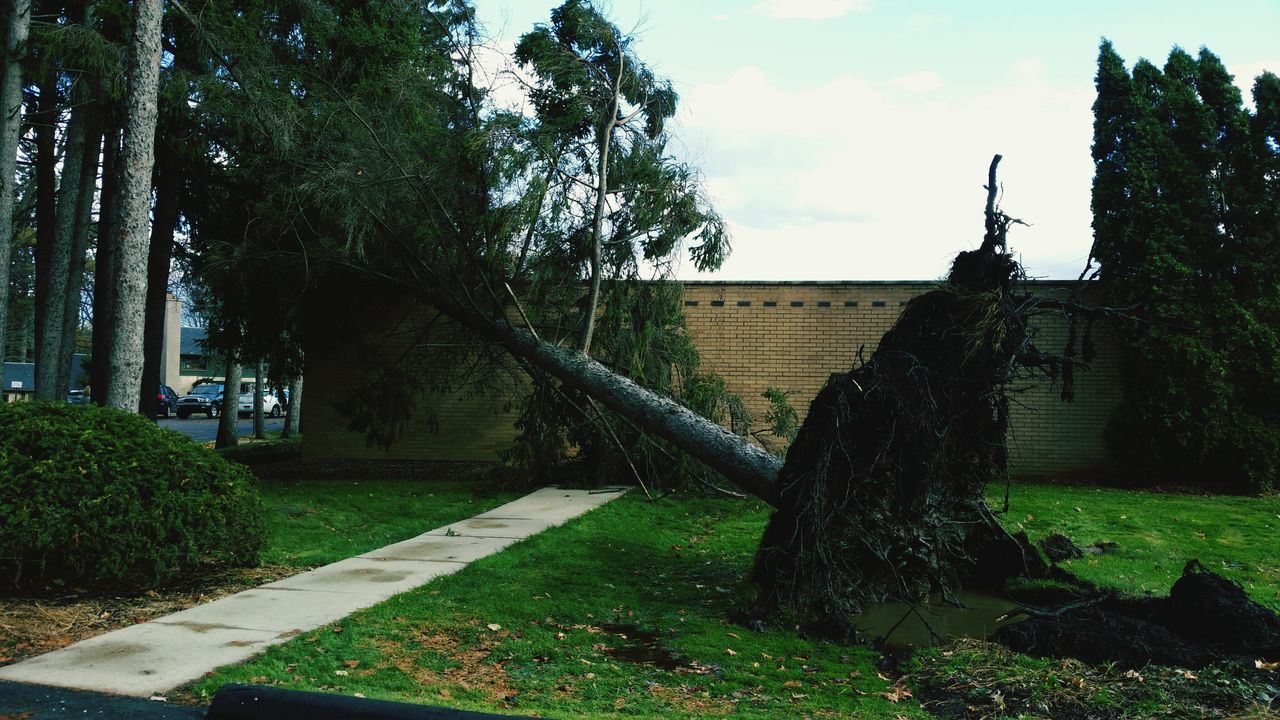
x=164, y=222
x=597, y=218
x=15, y=51
x=138, y=157
x=106, y=259
x=230, y=415
x=60, y=257
x=44, y=123
x=79, y=248
x=744, y=464
x=293, y=413
x=259, y=423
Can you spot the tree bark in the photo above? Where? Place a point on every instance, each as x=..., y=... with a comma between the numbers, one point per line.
x=44, y=123
x=79, y=247
x=259, y=423
x=138, y=158
x=15, y=51
x=744, y=464
x=60, y=257
x=229, y=417
x=164, y=221
x=293, y=413
x=106, y=260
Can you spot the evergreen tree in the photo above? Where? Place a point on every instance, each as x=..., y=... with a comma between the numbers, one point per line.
x=1186, y=236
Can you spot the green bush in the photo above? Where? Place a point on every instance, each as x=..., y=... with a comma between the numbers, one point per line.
x=96, y=495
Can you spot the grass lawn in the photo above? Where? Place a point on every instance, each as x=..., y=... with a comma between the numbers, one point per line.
x=622, y=612
x=314, y=522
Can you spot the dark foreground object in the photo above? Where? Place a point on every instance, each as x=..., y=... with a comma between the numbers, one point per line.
x=39, y=702
x=253, y=702
x=1206, y=619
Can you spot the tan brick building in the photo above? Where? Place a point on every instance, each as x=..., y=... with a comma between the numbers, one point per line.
x=788, y=335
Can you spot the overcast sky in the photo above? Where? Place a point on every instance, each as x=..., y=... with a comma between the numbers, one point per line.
x=849, y=139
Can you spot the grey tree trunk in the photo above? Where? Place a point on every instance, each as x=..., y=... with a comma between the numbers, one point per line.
x=293, y=414
x=43, y=121
x=59, y=259
x=79, y=247
x=138, y=157
x=15, y=50
x=229, y=417
x=744, y=464
x=106, y=258
x=259, y=423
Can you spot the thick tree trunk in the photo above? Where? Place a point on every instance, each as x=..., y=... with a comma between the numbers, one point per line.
x=164, y=222
x=259, y=422
x=106, y=259
x=44, y=123
x=229, y=417
x=293, y=414
x=79, y=247
x=744, y=464
x=138, y=157
x=15, y=51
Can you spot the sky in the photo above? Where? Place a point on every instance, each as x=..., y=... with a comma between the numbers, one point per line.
x=850, y=139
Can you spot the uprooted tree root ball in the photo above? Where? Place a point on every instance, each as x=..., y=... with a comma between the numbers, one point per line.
x=883, y=494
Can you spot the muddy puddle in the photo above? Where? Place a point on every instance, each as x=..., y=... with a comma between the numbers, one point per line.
x=903, y=626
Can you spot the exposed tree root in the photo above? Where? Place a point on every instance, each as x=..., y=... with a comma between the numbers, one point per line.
x=1205, y=619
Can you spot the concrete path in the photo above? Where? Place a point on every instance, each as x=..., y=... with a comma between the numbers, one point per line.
x=173, y=650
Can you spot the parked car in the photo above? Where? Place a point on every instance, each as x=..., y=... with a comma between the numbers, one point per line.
x=168, y=400
x=77, y=397
x=270, y=405
x=205, y=399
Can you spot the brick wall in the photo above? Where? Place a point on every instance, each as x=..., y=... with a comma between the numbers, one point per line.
x=787, y=335
x=792, y=336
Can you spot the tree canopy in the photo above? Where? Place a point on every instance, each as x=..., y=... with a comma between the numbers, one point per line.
x=1186, y=204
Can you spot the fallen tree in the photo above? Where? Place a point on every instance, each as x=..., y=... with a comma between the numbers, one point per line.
x=883, y=493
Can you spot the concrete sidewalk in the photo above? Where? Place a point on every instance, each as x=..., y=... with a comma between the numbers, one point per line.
x=168, y=652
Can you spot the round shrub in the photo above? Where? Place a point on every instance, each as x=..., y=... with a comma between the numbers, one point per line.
x=96, y=495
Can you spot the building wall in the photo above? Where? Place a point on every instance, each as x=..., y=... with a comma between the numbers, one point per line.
x=464, y=426
x=170, y=348
x=791, y=336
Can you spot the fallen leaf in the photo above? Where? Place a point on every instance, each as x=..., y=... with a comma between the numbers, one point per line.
x=351, y=663
x=1261, y=665
x=730, y=651
x=446, y=694
x=1188, y=675
x=793, y=683
x=591, y=676
x=341, y=673
x=494, y=627
x=896, y=694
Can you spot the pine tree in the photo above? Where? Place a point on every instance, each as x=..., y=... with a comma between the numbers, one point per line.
x=1186, y=237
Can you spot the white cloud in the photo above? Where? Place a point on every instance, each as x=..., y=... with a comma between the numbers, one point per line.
x=855, y=180
x=809, y=9
x=1246, y=73
x=918, y=82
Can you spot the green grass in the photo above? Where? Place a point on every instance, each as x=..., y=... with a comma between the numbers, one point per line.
x=1156, y=535
x=314, y=522
x=528, y=630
